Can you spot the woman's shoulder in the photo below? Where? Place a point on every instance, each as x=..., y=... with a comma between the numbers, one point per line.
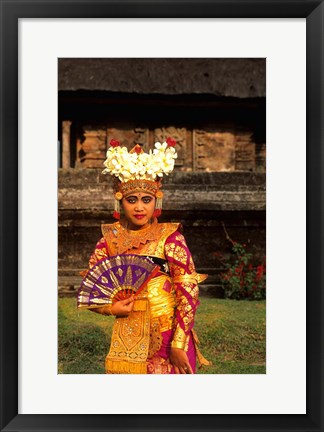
x=171, y=229
x=108, y=228
x=171, y=226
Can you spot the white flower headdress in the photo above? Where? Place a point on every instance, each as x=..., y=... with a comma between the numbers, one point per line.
x=137, y=171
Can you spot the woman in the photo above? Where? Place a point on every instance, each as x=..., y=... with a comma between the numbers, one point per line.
x=153, y=333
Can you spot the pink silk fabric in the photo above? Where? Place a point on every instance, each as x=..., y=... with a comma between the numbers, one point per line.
x=160, y=364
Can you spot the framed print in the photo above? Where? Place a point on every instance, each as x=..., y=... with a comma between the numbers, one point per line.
x=34, y=36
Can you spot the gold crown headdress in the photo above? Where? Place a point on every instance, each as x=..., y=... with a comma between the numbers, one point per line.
x=136, y=171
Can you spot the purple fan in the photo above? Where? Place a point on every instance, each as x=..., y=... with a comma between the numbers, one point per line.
x=115, y=278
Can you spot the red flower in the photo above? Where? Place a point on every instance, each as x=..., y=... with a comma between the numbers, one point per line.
x=238, y=269
x=259, y=272
x=138, y=149
x=114, y=143
x=171, y=142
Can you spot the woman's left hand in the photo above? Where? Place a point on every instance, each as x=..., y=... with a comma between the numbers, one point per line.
x=180, y=362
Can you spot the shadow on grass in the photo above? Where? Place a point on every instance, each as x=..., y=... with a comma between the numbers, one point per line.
x=82, y=347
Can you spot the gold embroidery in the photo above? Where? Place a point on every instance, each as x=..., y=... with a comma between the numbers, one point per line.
x=148, y=241
x=192, y=289
x=154, y=248
x=162, y=303
x=192, y=268
x=186, y=278
x=166, y=322
x=124, y=239
x=180, y=339
x=185, y=309
x=180, y=255
x=155, y=338
x=98, y=255
x=177, y=252
x=130, y=341
x=201, y=277
x=159, y=365
x=169, y=248
x=132, y=186
x=176, y=270
x=181, y=239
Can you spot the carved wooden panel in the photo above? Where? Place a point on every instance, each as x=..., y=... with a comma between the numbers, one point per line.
x=198, y=150
x=92, y=150
x=129, y=137
x=213, y=151
x=244, y=152
x=260, y=158
x=180, y=135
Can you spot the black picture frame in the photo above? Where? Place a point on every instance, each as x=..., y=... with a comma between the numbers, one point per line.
x=11, y=12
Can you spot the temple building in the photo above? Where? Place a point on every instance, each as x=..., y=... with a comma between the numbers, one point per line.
x=216, y=111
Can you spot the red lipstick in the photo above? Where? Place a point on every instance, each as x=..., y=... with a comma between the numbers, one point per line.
x=139, y=216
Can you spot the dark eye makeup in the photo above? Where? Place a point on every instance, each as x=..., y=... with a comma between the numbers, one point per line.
x=133, y=199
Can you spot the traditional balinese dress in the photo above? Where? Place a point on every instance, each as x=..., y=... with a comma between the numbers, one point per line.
x=163, y=314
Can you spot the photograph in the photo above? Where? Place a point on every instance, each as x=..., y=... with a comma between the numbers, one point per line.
x=162, y=215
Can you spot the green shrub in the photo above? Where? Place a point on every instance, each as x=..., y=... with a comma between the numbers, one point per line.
x=243, y=276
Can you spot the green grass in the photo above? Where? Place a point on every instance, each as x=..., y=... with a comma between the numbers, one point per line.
x=231, y=333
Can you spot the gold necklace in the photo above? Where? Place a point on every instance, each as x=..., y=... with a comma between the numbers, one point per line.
x=125, y=239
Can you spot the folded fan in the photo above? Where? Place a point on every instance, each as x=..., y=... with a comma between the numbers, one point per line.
x=115, y=278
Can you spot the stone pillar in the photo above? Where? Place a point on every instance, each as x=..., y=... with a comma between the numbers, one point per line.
x=66, y=152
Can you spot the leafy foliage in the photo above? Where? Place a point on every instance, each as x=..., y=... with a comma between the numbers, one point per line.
x=243, y=277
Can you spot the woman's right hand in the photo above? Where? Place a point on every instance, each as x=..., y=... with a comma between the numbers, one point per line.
x=123, y=307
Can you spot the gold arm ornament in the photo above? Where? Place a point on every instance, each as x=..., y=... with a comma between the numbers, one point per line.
x=180, y=339
x=191, y=278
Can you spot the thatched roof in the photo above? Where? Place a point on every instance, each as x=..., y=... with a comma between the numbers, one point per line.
x=242, y=78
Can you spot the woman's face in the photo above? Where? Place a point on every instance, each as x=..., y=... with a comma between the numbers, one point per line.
x=139, y=209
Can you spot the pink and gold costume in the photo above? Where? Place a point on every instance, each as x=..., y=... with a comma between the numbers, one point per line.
x=163, y=314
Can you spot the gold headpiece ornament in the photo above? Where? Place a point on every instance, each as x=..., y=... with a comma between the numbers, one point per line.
x=137, y=171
